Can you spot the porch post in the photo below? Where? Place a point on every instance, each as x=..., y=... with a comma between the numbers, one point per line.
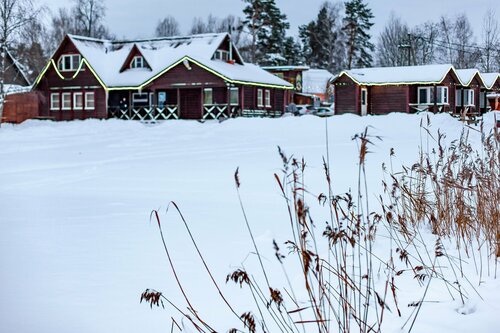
x=179, y=102
x=228, y=94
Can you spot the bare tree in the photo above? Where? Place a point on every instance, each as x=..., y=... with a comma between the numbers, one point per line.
x=392, y=43
x=167, y=27
x=89, y=16
x=491, y=41
x=423, y=43
x=14, y=16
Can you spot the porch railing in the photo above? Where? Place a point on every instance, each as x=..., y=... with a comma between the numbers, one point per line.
x=220, y=111
x=145, y=113
x=261, y=113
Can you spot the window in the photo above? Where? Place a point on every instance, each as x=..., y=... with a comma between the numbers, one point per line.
x=221, y=55
x=55, y=102
x=137, y=62
x=234, y=96
x=268, y=98
x=208, y=96
x=364, y=92
x=426, y=95
x=77, y=101
x=458, y=97
x=260, y=101
x=69, y=62
x=66, y=101
x=482, y=99
x=469, y=97
x=140, y=99
x=89, y=101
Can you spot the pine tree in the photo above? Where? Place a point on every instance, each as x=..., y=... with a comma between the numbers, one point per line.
x=323, y=39
x=357, y=24
x=267, y=27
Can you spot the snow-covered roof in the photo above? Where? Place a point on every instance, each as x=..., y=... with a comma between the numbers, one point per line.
x=285, y=68
x=489, y=79
x=466, y=75
x=106, y=58
x=314, y=81
x=429, y=74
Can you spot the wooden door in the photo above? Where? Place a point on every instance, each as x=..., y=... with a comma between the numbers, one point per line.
x=364, y=101
x=190, y=103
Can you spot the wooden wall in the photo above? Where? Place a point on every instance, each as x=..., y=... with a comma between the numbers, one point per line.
x=20, y=107
x=387, y=99
x=346, y=96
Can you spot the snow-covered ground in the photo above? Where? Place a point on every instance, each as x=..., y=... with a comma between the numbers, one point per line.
x=77, y=247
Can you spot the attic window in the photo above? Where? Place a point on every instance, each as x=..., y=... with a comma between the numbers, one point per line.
x=221, y=55
x=69, y=62
x=138, y=62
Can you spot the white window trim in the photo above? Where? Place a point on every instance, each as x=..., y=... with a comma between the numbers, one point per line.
x=260, y=98
x=237, y=95
x=62, y=101
x=71, y=69
x=135, y=61
x=267, y=98
x=430, y=92
x=87, y=107
x=58, y=98
x=471, y=96
x=219, y=55
x=204, y=94
x=75, y=107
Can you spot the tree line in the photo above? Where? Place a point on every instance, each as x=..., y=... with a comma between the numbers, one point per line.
x=339, y=37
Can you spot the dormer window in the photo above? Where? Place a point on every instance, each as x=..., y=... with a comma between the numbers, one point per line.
x=221, y=55
x=69, y=62
x=138, y=62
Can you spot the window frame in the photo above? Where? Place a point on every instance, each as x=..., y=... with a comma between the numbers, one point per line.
x=134, y=64
x=58, y=99
x=61, y=64
x=471, y=97
x=260, y=98
x=86, y=105
x=222, y=55
x=267, y=98
x=75, y=105
x=237, y=94
x=63, y=95
x=205, y=91
x=442, y=95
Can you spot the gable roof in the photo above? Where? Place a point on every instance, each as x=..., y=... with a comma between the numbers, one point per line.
x=19, y=67
x=134, y=52
x=105, y=58
x=467, y=75
x=427, y=74
x=490, y=79
x=315, y=80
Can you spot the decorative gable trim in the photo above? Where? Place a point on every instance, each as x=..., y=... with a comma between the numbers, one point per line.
x=133, y=53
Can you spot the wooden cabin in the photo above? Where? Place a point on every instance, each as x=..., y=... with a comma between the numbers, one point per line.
x=310, y=85
x=492, y=91
x=192, y=77
x=471, y=94
x=405, y=89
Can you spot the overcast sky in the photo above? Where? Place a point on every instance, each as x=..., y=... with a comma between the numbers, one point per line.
x=138, y=18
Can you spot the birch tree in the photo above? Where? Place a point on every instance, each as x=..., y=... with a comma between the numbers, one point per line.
x=490, y=42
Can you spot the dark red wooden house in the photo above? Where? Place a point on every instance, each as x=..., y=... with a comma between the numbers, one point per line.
x=398, y=89
x=192, y=77
x=492, y=91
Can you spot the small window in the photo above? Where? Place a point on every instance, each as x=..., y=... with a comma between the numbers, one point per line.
x=469, y=97
x=260, y=100
x=77, y=101
x=458, y=97
x=234, y=96
x=268, y=98
x=55, y=102
x=66, y=101
x=482, y=99
x=424, y=95
x=221, y=55
x=69, y=62
x=208, y=96
x=89, y=101
x=137, y=62
x=442, y=95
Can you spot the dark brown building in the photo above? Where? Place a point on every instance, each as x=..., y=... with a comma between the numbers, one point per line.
x=434, y=88
x=193, y=77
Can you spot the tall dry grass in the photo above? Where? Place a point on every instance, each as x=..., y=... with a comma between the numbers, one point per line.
x=454, y=190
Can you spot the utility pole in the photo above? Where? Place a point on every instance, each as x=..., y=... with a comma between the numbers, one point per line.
x=407, y=46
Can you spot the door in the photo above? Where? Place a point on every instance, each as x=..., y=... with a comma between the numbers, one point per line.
x=190, y=103
x=364, y=101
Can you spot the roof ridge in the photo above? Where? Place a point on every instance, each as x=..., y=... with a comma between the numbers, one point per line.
x=142, y=40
